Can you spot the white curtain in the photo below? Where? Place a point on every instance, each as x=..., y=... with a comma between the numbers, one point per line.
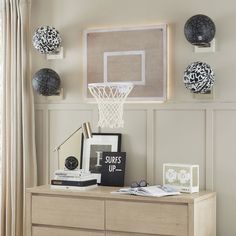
x=18, y=147
x=1, y=97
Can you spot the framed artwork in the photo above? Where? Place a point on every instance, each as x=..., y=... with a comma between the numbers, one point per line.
x=137, y=55
x=93, y=148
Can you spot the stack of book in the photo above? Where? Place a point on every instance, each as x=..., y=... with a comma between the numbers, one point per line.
x=73, y=179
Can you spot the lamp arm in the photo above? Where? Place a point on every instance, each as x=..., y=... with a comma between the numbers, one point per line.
x=58, y=147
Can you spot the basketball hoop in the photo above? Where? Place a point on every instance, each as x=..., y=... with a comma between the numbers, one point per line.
x=110, y=98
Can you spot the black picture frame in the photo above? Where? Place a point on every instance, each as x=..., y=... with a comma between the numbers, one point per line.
x=92, y=149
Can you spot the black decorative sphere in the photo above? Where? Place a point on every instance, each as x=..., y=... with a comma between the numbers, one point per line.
x=46, y=39
x=199, y=30
x=199, y=77
x=46, y=82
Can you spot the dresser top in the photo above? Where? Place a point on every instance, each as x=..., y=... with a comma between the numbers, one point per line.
x=105, y=193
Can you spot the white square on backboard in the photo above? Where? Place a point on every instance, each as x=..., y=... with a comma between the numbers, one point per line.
x=124, y=64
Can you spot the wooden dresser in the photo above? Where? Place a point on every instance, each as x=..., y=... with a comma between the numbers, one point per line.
x=97, y=212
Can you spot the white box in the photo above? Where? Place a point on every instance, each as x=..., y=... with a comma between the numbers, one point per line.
x=184, y=178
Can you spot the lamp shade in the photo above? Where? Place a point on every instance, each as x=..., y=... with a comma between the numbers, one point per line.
x=199, y=77
x=199, y=30
x=46, y=39
x=46, y=82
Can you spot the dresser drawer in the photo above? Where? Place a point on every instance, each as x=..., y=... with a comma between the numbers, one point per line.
x=68, y=211
x=50, y=231
x=129, y=234
x=149, y=218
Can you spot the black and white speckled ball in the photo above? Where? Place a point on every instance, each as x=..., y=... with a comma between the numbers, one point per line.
x=46, y=39
x=46, y=82
x=199, y=77
x=199, y=30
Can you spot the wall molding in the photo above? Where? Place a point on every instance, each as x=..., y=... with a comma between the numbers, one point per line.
x=209, y=149
x=150, y=109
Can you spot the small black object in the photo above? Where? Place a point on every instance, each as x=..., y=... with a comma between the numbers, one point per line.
x=46, y=82
x=46, y=39
x=113, y=169
x=199, y=77
x=71, y=163
x=199, y=30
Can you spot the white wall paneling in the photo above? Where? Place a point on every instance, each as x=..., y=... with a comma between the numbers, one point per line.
x=224, y=170
x=40, y=146
x=201, y=133
x=59, y=121
x=134, y=143
x=150, y=146
x=153, y=134
x=209, y=149
x=180, y=137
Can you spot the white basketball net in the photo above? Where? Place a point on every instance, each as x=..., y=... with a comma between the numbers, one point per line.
x=110, y=98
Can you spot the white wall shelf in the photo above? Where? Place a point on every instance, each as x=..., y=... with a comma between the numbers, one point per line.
x=212, y=48
x=56, y=55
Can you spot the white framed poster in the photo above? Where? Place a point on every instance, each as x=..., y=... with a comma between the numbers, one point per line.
x=93, y=148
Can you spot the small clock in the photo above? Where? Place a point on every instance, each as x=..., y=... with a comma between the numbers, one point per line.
x=184, y=178
x=71, y=163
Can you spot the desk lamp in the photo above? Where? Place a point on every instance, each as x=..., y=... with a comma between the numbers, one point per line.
x=86, y=129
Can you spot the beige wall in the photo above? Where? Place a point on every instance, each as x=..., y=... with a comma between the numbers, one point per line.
x=183, y=130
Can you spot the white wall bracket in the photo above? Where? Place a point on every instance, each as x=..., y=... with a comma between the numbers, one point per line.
x=59, y=54
x=204, y=96
x=56, y=97
x=212, y=48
